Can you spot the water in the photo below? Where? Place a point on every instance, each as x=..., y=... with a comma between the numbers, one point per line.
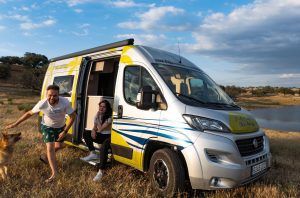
x=283, y=118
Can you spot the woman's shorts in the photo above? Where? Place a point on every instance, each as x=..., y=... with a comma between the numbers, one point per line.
x=50, y=134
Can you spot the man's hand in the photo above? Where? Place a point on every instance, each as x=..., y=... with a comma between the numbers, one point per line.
x=13, y=125
x=61, y=136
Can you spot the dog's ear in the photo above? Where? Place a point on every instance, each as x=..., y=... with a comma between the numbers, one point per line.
x=4, y=134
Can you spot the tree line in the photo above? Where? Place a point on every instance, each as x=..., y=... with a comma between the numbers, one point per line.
x=34, y=67
x=235, y=91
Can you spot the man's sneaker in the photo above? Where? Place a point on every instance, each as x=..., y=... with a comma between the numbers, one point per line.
x=91, y=156
x=98, y=177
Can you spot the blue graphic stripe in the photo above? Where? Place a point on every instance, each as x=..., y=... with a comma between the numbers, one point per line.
x=156, y=133
x=167, y=126
x=151, y=127
x=163, y=127
x=139, y=140
x=135, y=146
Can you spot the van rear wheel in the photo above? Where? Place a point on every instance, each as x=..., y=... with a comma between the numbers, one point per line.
x=166, y=172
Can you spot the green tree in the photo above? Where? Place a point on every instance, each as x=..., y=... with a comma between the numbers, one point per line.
x=11, y=60
x=233, y=91
x=4, y=71
x=285, y=91
x=33, y=60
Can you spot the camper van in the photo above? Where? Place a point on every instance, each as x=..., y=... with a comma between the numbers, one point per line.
x=170, y=118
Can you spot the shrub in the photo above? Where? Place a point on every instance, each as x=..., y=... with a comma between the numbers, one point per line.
x=4, y=71
x=25, y=107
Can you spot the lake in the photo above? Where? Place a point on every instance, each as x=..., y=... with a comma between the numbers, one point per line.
x=282, y=118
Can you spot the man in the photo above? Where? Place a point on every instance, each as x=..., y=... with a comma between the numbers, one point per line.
x=53, y=127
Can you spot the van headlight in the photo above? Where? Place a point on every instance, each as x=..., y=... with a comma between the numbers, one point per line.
x=202, y=124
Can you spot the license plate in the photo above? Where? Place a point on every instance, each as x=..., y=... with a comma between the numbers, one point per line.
x=258, y=168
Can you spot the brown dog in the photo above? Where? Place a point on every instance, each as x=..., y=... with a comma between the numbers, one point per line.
x=6, y=150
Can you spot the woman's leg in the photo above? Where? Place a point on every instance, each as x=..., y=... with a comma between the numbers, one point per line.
x=103, y=158
x=104, y=152
x=88, y=140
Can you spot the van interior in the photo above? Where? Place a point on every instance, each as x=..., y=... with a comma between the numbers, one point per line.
x=100, y=86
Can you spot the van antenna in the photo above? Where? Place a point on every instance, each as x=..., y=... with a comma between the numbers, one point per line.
x=179, y=51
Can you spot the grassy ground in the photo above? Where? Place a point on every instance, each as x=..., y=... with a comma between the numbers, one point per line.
x=252, y=102
x=75, y=177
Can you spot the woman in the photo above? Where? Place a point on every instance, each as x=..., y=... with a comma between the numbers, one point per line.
x=101, y=135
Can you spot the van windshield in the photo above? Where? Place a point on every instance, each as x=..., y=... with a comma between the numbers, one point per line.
x=193, y=87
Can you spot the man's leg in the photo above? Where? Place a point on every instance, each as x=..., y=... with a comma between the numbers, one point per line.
x=59, y=146
x=52, y=159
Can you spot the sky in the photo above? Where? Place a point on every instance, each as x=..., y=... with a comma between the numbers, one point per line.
x=236, y=42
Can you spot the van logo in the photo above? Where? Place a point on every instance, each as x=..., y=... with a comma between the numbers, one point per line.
x=255, y=143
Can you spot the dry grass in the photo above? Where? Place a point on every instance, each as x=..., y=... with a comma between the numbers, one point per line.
x=75, y=177
x=251, y=102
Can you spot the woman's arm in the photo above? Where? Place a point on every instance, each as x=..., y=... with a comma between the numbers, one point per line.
x=104, y=126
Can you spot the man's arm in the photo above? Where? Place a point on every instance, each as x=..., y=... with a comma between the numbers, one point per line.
x=72, y=119
x=24, y=117
x=68, y=126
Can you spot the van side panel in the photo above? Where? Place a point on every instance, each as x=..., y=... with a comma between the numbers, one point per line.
x=63, y=68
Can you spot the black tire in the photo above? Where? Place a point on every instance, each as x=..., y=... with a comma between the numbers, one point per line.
x=166, y=172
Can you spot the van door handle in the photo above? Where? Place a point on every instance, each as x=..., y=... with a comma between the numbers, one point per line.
x=120, y=111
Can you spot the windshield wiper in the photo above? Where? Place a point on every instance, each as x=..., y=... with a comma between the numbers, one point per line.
x=224, y=104
x=191, y=98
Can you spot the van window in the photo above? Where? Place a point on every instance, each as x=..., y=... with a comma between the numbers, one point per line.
x=133, y=82
x=193, y=87
x=65, y=84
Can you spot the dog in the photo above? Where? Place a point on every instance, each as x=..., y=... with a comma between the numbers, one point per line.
x=6, y=150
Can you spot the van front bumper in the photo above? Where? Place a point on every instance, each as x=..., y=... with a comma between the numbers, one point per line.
x=214, y=162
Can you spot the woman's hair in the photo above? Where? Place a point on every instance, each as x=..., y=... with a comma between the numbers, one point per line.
x=108, y=111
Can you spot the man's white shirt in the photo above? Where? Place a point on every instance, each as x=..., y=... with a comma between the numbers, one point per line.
x=53, y=116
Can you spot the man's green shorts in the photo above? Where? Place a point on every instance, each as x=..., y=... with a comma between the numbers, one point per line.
x=50, y=134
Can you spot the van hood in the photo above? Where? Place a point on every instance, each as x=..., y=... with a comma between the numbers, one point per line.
x=240, y=121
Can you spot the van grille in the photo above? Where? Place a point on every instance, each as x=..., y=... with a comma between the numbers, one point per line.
x=250, y=146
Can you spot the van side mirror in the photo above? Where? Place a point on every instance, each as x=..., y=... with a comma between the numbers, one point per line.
x=146, y=98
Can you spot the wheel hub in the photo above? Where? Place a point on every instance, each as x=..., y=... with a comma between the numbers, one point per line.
x=161, y=174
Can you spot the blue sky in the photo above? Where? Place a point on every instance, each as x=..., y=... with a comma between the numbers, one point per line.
x=236, y=42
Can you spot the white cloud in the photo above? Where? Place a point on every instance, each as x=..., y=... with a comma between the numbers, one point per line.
x=2, y=27
x=27, y=34
x=30, y=25
x=78, y=10
x=84, y=30
x=24, y=8
x=72, y=3
x=85, y=25
x=263, y=35
x=17, y=17
x=125, y=3
x=153, y=20
x=2, y=1
x=288, y=76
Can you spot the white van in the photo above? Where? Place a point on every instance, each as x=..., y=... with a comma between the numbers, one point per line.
x=169, y=118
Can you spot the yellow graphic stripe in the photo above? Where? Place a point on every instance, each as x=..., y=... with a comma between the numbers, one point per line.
x=125, y=58
x=118, y=139
x=135, y=162
x=241, y=123
x=136, y=155
x=74, y=64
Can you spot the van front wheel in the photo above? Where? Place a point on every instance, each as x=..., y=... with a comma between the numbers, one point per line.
x=166, y=172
